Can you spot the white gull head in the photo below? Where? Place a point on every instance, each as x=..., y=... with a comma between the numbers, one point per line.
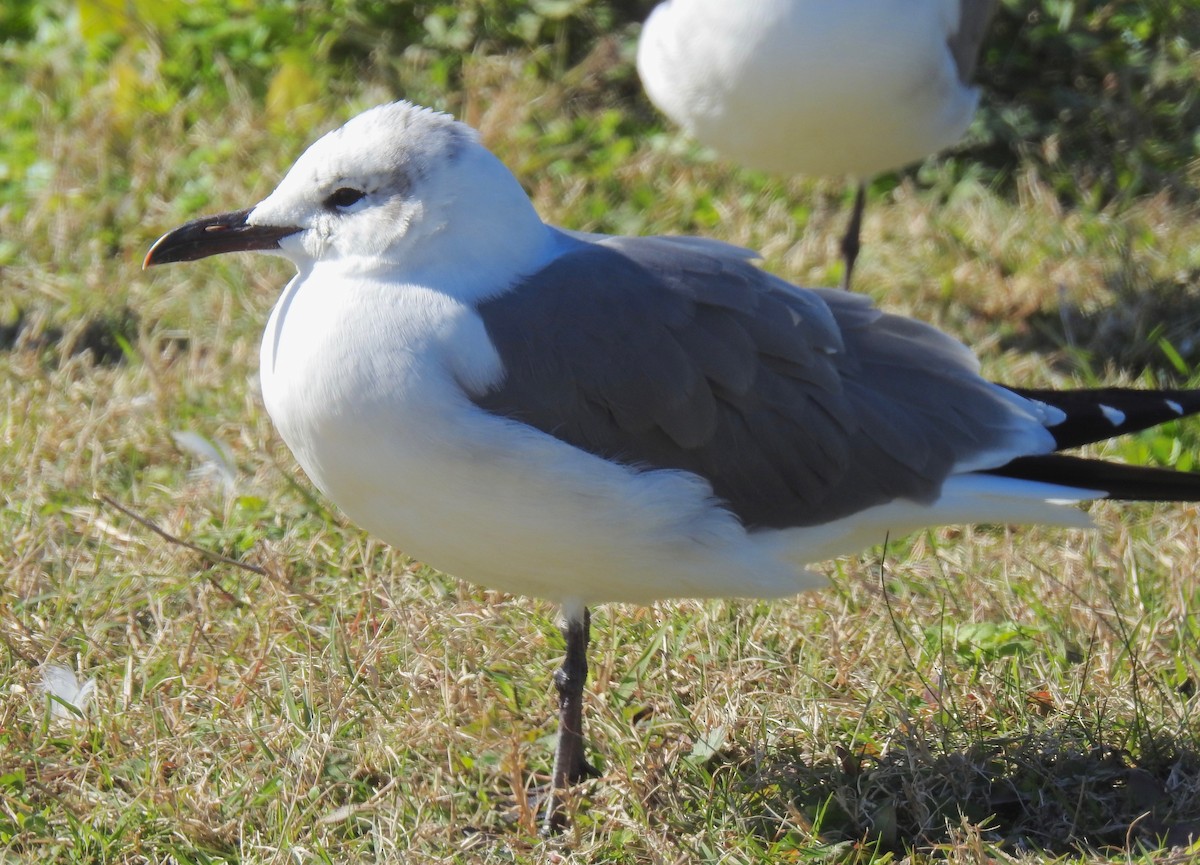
x=406, y=192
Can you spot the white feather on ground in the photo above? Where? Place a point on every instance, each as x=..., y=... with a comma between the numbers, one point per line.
x=69, y=700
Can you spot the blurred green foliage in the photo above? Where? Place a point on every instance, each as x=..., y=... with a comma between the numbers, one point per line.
x=169, y=48
x=979, y=643
x=1100, y=97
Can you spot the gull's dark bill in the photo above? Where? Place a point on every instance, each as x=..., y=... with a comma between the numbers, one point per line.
x=213, y=235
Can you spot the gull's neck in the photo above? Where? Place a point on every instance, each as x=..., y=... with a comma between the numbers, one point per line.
x=479, y=261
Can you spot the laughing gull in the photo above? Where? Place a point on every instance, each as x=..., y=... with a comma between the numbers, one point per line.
x=587, y=419
x=854, y=87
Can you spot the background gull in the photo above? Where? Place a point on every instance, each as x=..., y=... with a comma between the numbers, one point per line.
x=855, y=87
x=588, y=419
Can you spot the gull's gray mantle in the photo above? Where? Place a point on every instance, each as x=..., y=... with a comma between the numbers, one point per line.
x=797, y=407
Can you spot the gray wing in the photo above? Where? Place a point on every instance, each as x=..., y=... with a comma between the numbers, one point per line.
x=797, y=406
x=973, y=20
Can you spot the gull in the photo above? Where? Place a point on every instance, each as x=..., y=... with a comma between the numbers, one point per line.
x=856, y=87
x=590, y=419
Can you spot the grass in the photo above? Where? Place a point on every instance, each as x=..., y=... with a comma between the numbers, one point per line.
x=971, y=694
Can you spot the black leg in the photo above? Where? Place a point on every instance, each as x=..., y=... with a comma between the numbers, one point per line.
x=569, y=763
x=850, y=245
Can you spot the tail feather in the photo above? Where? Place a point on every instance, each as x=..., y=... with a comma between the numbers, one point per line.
x=1101, y=413
x=1117, y=480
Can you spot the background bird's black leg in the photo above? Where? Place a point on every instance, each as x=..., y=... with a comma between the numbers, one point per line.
x=569, y=763
x=850, y=244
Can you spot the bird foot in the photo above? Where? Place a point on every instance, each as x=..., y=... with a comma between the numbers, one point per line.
x=556, y=797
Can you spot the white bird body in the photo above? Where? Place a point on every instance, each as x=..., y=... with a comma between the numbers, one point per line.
x=848, y=87
x=364, y=381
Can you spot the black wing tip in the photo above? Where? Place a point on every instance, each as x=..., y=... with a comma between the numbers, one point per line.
x=1118, y=481
x=1098, y=414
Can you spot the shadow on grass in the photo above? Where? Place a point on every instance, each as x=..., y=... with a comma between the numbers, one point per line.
x=108, y=338
x=1126, y=333
x=1060, y=791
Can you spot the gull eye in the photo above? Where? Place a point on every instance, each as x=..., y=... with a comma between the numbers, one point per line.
x=343, y=198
